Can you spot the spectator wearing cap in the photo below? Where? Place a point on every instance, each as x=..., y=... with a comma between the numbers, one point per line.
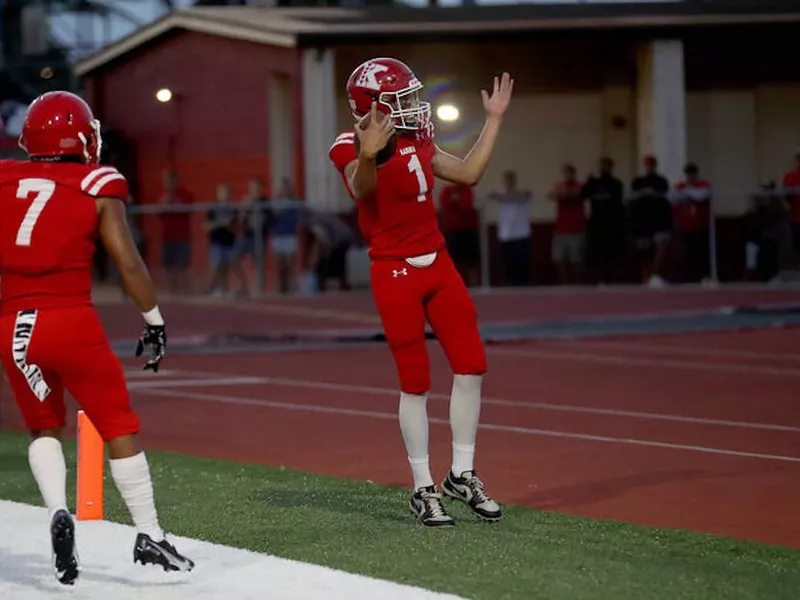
x=791, y=186
x=691, y=208
x=651, y=222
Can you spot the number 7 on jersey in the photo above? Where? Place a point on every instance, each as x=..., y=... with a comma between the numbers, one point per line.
x=43, y=190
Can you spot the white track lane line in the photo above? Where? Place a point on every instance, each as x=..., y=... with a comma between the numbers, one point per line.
x=241, y=401
x=366, y=389
x=682, y=350
x=628, y=361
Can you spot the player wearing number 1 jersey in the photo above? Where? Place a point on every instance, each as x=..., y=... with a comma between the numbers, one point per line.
x=53, y=207
x=413, y=278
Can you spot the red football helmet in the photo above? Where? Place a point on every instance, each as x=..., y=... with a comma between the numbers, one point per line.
x=395, y=88
x=61, y=124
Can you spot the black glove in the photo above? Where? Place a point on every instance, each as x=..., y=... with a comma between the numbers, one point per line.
x=154, y=336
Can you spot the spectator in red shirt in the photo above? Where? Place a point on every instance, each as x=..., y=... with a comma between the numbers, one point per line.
x=691, y=209
x=460, y=225
x=791, y=185
x=177, y=234
x=569, y=240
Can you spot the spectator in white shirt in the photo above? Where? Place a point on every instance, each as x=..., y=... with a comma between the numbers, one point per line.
x=514, y=230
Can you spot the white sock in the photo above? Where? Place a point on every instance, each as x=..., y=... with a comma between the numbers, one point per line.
x=132, y=478
x=49, y=469
x=413, y=414
x=465, y=411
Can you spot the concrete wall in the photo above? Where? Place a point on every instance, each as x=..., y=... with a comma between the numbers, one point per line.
x=576, y=99
x=567, y=93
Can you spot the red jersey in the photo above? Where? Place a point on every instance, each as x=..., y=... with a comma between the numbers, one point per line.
x=692, y=210
x=399, y=221
x=48, y=228
x=570, y=215
x=791, y=181
x=458, y=211
x=177, y=225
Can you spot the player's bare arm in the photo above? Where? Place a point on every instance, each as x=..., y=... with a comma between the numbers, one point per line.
x=470, y=169
x=118, y=241
x=373, y=132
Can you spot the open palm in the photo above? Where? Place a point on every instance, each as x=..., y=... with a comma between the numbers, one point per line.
x=497, y=104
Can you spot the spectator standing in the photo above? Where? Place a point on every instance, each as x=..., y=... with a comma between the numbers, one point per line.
x=605, y=233
x=177, y=234
x=252, y=221
x=335, y=239
x=769, y=237
x=691, y=201
x=569, y=235
x=514, y=229
x=222, y=238
x=460, y=224
x=284, y=213
x=791, y=186
x=651, y=222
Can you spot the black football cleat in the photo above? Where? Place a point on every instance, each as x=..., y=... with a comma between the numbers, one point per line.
x=426, y=504
x=148, y=552
x=65, y=559
x=469, y=489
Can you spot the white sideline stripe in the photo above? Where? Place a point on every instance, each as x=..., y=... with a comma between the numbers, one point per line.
x=366, y=389
x=104, y=180
x=643, y=362
x=221, y=399
x=91, y=177
x=222, y=572
x=170, y=383
x=671, y=349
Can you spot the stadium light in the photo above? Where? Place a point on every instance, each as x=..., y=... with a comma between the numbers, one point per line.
x=164, y=95
x=447, y=113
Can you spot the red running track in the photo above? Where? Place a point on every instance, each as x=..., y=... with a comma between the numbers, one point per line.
x=693, y=431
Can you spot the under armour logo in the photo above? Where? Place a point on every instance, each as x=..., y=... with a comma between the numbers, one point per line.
x=398, y=272
x=367, y=78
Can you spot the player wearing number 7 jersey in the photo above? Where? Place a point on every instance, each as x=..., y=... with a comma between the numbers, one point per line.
x=413, y=278
x=52, y=209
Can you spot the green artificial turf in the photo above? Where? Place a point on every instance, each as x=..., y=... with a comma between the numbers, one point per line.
x=365, y=528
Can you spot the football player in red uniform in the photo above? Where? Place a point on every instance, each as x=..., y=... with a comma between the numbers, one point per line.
x=53, y=206
x=413, y=278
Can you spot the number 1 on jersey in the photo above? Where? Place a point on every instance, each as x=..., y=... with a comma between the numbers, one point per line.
x=414, y=166
x=43, y=188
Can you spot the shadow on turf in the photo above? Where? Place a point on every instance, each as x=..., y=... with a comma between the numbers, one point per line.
x=389, y=505
x=361, y=503
x=35, y=571
x=16, y=461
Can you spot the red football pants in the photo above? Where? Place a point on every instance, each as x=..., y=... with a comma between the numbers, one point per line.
x=46, y=351
x=406, y=296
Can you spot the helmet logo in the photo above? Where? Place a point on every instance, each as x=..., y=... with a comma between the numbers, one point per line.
x=367, y=78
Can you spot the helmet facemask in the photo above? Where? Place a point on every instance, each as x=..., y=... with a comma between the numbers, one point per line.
x=91, y=152
x=407, y=111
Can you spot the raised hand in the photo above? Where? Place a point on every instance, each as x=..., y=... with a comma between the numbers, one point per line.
x=497, y=103
x=374, y=131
